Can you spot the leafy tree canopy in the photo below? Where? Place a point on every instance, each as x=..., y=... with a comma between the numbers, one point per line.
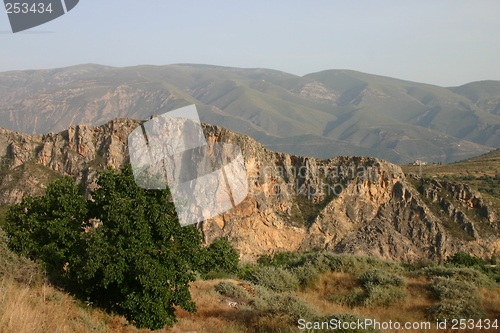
x=221, y=256
x=464, y=259
x=138, y=262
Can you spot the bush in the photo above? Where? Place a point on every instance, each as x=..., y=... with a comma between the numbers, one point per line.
x=290, y=306
x=382, y=295
x=333, y=262
x=447, y=289
x=457, y=299
x=265, y=260
x=492, y=272
x=221, y=256
x=420, y=264
x=285, y=305
x=456, y=310
x=230, y=289
x=463, y=259
x=279, y=259
x=381, y=288
x=379, y=277
x=307, y=275
x=216, y=275
x=276, y=279
x=460, y=274
x=246, y=270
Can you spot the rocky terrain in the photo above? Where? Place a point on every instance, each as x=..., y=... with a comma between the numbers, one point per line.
x=358, y=205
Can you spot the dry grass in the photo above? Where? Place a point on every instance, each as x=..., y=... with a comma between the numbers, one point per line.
x=491, y=303
x=42, y=308
x=412, y=309
x=214, y=313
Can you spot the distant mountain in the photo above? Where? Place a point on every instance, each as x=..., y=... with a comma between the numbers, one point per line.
x=324, y=114
x=484, y=94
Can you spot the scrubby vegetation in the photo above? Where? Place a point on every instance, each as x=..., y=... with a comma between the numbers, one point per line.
x=457, y=299
x=283, y=286
x=275, y=278
x=342, y=287
x=381, y=288
x=481, y=172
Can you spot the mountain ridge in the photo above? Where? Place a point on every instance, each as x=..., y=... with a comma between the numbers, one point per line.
x=349, y=112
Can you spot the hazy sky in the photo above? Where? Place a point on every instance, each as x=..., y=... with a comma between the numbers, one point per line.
x=446, y=43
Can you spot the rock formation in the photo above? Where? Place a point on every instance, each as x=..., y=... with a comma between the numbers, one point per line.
x=358, y=205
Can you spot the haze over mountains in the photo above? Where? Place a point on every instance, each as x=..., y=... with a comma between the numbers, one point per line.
x=324, y=114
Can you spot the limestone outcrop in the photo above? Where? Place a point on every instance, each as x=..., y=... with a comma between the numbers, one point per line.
x=359, y=205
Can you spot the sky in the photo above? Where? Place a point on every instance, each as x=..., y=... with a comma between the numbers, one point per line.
x=442, y=42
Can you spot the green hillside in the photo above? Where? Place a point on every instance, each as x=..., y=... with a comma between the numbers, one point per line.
x=484, y=94
x=324, y=114
x=481, y=172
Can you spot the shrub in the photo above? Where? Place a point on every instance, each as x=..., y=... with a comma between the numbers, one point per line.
x=276, y=279
x=379, y=277
x=446, y=289
x=456, y=310
x=279, y=259
x=263, y=293
x=463, y=259
x=420, y=264
x=246, y=270
x=329, y=261
x=231, y=290
x=381, y=288
x=215, y=275
x=382, y=295
x=458, y=299
x=461, y=274
x=493, y=272
x=286, y=305
x=221, y=256
x=307, y=275
x=290, y=306
x=265, y=260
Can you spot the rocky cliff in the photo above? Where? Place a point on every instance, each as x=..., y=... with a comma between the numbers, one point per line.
x=358, y=205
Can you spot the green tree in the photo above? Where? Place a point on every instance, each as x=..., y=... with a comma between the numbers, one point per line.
x=136, y=263
x=465, y=260
x=221, y=256
x=49, y=228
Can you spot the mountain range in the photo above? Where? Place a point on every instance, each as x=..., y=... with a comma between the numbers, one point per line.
x=325, y=114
